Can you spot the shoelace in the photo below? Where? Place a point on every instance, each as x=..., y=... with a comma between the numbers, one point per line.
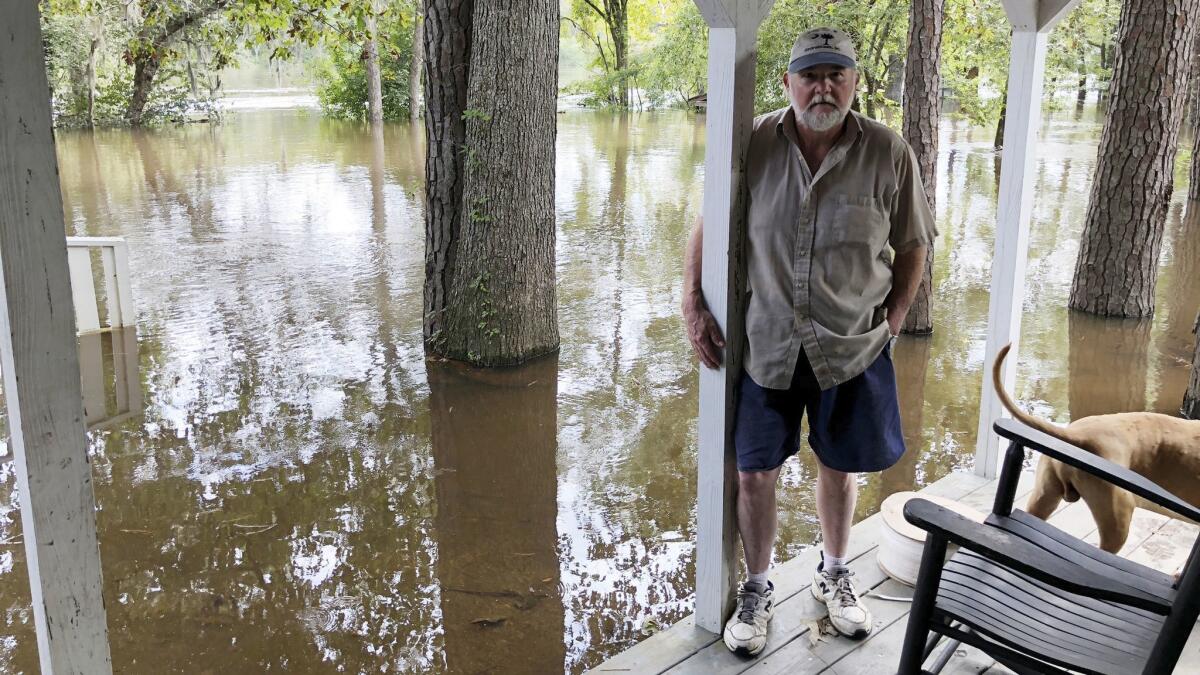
x=846, y=595
x=747, y=605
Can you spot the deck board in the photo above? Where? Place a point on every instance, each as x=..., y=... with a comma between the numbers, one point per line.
x=1155, y=540
x=663, y=651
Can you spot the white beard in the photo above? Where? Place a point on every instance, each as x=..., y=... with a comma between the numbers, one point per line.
x=822, y=121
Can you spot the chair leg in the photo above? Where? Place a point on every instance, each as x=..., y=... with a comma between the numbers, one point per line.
x=944, y=657
x=931, y=644
x=930, y=574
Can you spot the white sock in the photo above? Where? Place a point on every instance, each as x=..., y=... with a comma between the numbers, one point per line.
x=834, y=563
x=759, y=578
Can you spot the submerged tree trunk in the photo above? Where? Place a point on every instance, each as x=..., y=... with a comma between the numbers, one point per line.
x=502, y=307
x=871, y=67
x=1191, y=399
x=145, y=68
x=1117, y=266
x=1194, y=174
x=96, y=28
x=191, y=72
x=614, y=14
x=151, y=46
x=416, y=66
x=374, y=81
x=490, y=285
x=447, y=36
x=91, y=84
x=618, y=10
x=1194, y=120
x=998, y=141
x=922, y=107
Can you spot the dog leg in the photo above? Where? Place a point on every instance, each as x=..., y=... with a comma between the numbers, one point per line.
x=1047, y=491
x=1112, y=508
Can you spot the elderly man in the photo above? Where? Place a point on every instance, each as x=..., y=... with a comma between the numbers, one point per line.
x=829, y=191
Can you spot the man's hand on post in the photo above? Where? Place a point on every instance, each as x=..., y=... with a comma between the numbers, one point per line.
x=702, y=330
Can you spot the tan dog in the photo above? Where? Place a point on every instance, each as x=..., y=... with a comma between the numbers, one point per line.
x=1162, y=448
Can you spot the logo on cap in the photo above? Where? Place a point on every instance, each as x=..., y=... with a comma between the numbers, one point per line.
x=822, y=36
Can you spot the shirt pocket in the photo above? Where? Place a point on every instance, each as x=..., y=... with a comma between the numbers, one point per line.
x=849, y=241
x=857, y=221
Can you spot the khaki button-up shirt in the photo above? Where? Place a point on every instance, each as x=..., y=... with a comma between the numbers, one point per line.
x=818, y=256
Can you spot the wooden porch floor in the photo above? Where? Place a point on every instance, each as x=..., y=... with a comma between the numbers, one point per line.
x=1154, y=540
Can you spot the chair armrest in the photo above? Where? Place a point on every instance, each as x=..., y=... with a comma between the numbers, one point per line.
x=1018, y=554
x=1079, y=458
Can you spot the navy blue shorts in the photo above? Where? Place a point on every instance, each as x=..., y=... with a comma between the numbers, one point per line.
x=853, y=427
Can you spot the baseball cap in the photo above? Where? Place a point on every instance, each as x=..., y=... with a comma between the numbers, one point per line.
x=822, y=46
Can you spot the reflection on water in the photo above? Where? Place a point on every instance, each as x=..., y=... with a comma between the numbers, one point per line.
x=494, y=444
x=1108, y=364
x=298, y=490
x=109, y=372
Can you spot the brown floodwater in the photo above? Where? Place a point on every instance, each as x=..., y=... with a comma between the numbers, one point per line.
x=285, y=484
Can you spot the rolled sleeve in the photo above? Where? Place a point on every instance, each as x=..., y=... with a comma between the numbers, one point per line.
x=912, y=223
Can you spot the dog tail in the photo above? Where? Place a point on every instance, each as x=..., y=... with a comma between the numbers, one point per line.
x=1035, y=422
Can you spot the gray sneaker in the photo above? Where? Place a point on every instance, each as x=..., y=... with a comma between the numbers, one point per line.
x=847, y=612
x=746, y=631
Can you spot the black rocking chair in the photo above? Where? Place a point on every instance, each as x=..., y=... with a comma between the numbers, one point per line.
x=1037, y=599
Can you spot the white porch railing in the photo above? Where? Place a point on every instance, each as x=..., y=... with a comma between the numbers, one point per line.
x=114, y=258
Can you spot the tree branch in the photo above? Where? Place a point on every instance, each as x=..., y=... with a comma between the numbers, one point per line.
x=595, y=40
x=597, y=10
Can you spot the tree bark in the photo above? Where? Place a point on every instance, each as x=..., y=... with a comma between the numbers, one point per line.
x=998, y=141
x=1194, y=93
x=1191, y=399
x=415, y=67
x=191, y=72
x=922, y=108
x=872, y=69
x=91, y=84
x=615, y=15
x=447, y=36
x=1194, y=174
x=96, y=27
x=618, y=25
x=374, y=81
x=490, y=285
x=145, y=67
x=1117, y=266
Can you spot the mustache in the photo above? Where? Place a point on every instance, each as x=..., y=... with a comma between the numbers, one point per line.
x=822, y=98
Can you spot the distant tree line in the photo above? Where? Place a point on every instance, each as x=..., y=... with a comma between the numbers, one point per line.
x=655, y=53
x=139, y=62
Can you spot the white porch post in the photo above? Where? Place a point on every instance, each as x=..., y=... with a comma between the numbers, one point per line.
x=1031, y=22
x=41, y=366
x=733, y=31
